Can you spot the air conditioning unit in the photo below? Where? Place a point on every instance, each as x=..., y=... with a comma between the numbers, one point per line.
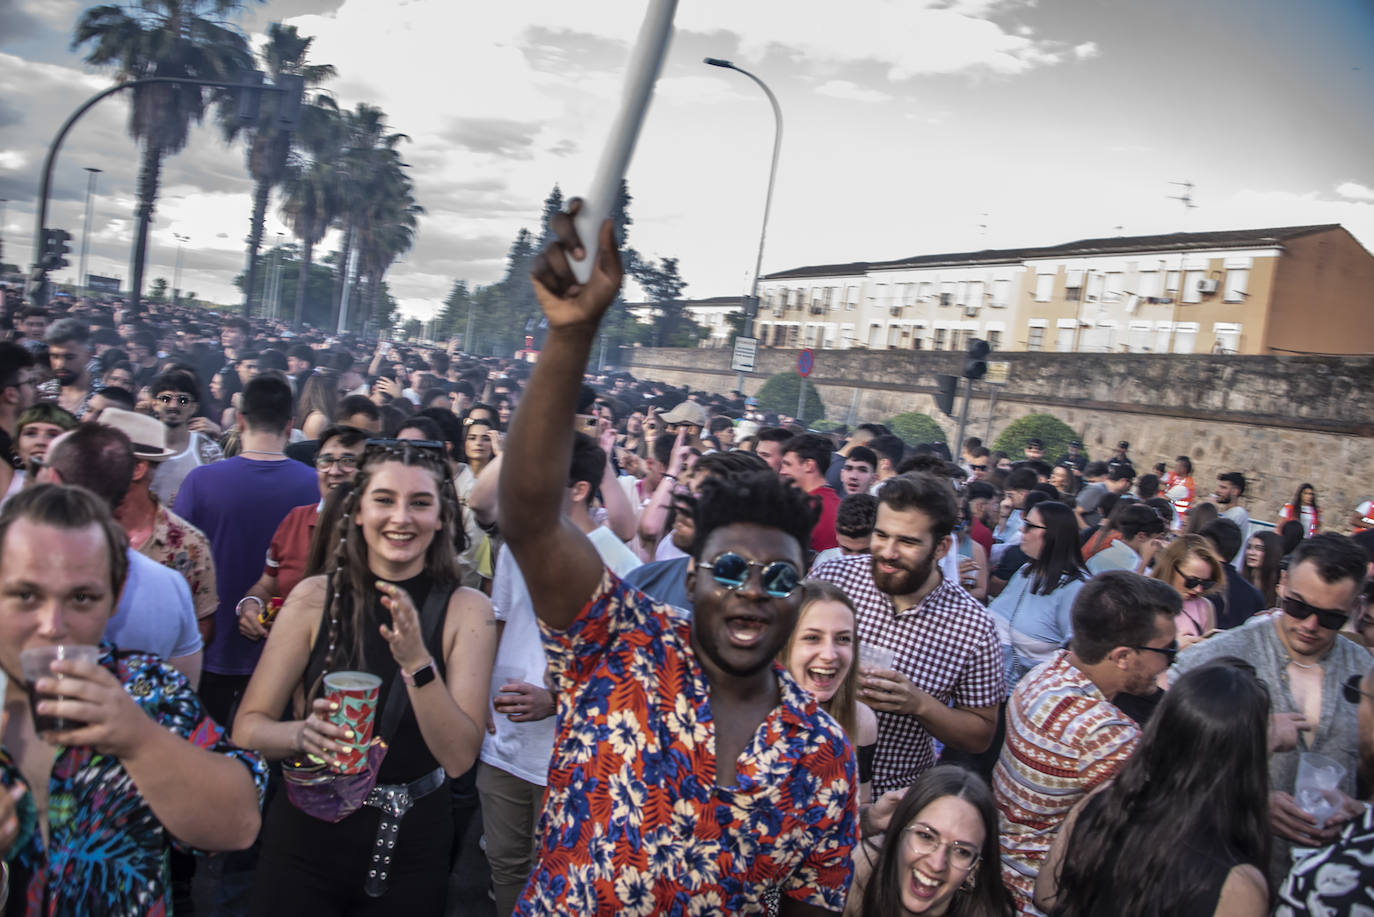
x=971, y=309
x=1207, y=286
x=895, y=311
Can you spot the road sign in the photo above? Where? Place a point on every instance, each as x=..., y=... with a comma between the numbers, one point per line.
x=745, y=351
x=806, y=361
x=997, y=372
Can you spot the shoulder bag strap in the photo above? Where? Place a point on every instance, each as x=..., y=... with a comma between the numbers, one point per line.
x=432, y=615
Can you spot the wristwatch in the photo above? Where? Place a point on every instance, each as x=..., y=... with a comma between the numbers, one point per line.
x=421, y=676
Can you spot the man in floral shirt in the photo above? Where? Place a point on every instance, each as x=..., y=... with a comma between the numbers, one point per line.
x=690, y=774
x=143, y=767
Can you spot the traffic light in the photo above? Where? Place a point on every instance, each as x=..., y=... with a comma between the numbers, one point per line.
x=36, y=287
x=976, y=365
x=56, y=247
x=292, y=89
x=944, y=398
x=250, y=98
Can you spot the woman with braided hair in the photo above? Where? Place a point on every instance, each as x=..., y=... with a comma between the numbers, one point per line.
x=388, y=604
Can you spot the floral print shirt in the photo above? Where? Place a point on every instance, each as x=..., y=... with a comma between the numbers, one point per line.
x=107, y=852
x=633, y=822
x=180, y=546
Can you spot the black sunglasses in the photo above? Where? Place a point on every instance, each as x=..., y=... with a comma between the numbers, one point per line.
x=1352, y=690
x=1192, y=582
x=780, y=578
x=1329, y=618
x=1170, y=651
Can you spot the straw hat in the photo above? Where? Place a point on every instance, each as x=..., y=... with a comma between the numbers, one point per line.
x=148, y=434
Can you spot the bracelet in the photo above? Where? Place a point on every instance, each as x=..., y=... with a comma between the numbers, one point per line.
x=672, y=477
x=238, y=609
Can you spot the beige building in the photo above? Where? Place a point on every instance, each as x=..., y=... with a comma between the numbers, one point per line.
x=1297, y=289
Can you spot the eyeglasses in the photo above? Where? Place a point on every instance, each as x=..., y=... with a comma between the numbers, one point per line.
x=1030, y=525
x=1329, y=618
x=922, y=840
x=1192, y=582
x=1170, y=652
x=1352, y=690
x=780, y=578
x=345, y=462
x=180, y=400
x=978, y=467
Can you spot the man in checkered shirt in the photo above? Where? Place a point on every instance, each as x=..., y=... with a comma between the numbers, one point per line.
x=947, y=681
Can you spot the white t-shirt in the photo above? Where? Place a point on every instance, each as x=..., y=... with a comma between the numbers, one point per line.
x=524, y=749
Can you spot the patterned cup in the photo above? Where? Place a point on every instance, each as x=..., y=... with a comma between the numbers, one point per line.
x=356, y=694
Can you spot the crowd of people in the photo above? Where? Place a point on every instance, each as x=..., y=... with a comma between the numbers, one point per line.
x=722, y=664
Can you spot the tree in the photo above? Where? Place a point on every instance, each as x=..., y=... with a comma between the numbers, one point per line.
x=312, y=186
x=663, y=286
x=1046, y=427
x=915, y=428
x=314, y=295
x=158, y=291
x=780, y=394
x=269, y=145
x=164, y=38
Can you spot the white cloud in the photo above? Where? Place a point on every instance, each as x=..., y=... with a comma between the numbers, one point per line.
x=844, y=89
x=1356, y=191
x=11, y=160
x=1086, y=50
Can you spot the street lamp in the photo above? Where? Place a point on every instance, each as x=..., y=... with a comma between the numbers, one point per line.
x=86, y=231
x=176, y=273
x=751, y=309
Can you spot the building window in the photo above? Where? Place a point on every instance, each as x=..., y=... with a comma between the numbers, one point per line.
x=927, y=291
x=1036, y=339
x=947, y=294
x=1171, y=281
x=1001, y=293
x=1237, y=282
x=1228, y=337
x=851, y=299
x=1115, y=287
x=909, y=294
x=1064, y=340
x=939, y=343
x=1073, y=285
x=1148, y=287
x=995, y=340
x=1185, y=337
x=1044, y=287
x=1192, y=286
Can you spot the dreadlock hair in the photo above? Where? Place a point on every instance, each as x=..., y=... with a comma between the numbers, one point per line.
x=351, y=592
x=760, y=497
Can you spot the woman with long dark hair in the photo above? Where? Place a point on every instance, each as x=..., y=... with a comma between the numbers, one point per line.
x=1183, y=829
x=939, y=856
x=1304, y=509
x=225, y=389
x=1260, y=565
x=318, y=402
x=1033, y=612
x=389, y=605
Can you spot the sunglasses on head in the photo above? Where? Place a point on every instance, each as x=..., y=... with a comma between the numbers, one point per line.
x=403, y=448
x=1192, y=582
x=780, y=578
x=1329, y=618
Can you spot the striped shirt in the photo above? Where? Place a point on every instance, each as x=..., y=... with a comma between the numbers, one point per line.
x=1064, y=739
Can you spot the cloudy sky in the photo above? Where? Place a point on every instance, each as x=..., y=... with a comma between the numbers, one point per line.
x=912, y=127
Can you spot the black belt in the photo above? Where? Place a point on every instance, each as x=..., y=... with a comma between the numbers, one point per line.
x=394, y=800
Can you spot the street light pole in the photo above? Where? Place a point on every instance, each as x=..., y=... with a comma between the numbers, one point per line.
x=176, y=274
x=751, y=308
x=86, y=231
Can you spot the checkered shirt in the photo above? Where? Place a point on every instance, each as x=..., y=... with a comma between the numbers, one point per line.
x=947, y=645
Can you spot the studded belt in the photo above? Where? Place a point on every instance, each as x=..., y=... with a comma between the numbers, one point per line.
x=394, y=800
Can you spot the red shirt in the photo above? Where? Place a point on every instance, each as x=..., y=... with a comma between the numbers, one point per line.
x=290, y=545
x=981, y=534
x=823, y=535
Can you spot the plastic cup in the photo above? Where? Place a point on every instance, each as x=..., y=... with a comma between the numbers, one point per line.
x=37, y=663
x=1317, y=790
x=505, y=675
x=356, y=694
x=873, y=656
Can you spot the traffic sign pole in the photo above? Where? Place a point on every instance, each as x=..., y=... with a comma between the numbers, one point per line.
x=806, y=361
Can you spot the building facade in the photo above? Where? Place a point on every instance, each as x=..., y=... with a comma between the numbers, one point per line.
x=1298, y=289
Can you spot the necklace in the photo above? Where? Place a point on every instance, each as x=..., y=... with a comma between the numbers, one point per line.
x=261, y=452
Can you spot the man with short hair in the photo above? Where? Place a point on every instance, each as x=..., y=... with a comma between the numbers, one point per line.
x=770, y=442
x=155, y=613
x=238, y=503
x=689, y=416
x=33, y=322
x=805, y=460
x=946, y=679
x=853, y=527
x=154, y=530
x=890, y=451
x=702, y=710
x=1116, y=479
x=1065, y=737
x=1035, y=449
x=723, y=432
x=145, y=768
x=1229, y=494
x=234, y=335
x=1339, y=879
x=143, y=355
x=176, y=399
x=979, y=463
x=69, y=355
x=1121, y=455
x=859, y=471
x=300, y=359
x=862, y=435
x=1019, y=483
x=1142, y=532
x=1074, y=459
x=1298, y=653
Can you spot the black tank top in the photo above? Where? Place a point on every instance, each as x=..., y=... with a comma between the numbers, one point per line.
x=407, y=757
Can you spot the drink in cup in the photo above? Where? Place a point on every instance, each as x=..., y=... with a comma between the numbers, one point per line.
x=37, y=663
x=1317, y=788
x=356, y=694
x=873, y=657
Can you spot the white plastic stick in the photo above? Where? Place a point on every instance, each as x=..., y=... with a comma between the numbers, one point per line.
x=645, y=62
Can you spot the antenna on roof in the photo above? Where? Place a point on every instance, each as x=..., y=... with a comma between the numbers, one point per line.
x=1186, y=197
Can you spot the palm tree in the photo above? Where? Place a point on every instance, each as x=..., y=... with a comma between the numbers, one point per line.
x=167, y=38
x=283, y=54
x=311, y=185
x=386, y=230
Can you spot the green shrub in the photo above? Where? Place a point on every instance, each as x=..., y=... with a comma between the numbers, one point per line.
x=780, y=394
x=1046, y=427
x=915, y=428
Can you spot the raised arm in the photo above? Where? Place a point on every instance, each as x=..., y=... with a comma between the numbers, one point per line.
x=561, y=567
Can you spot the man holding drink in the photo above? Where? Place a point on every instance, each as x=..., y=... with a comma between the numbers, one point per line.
x=119, y=758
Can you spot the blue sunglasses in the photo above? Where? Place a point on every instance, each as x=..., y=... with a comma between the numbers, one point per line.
x=780, y=578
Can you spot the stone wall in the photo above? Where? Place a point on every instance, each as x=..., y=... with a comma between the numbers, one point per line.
x=1279, y=420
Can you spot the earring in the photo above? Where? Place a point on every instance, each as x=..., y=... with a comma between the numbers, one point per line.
x=970, y=882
